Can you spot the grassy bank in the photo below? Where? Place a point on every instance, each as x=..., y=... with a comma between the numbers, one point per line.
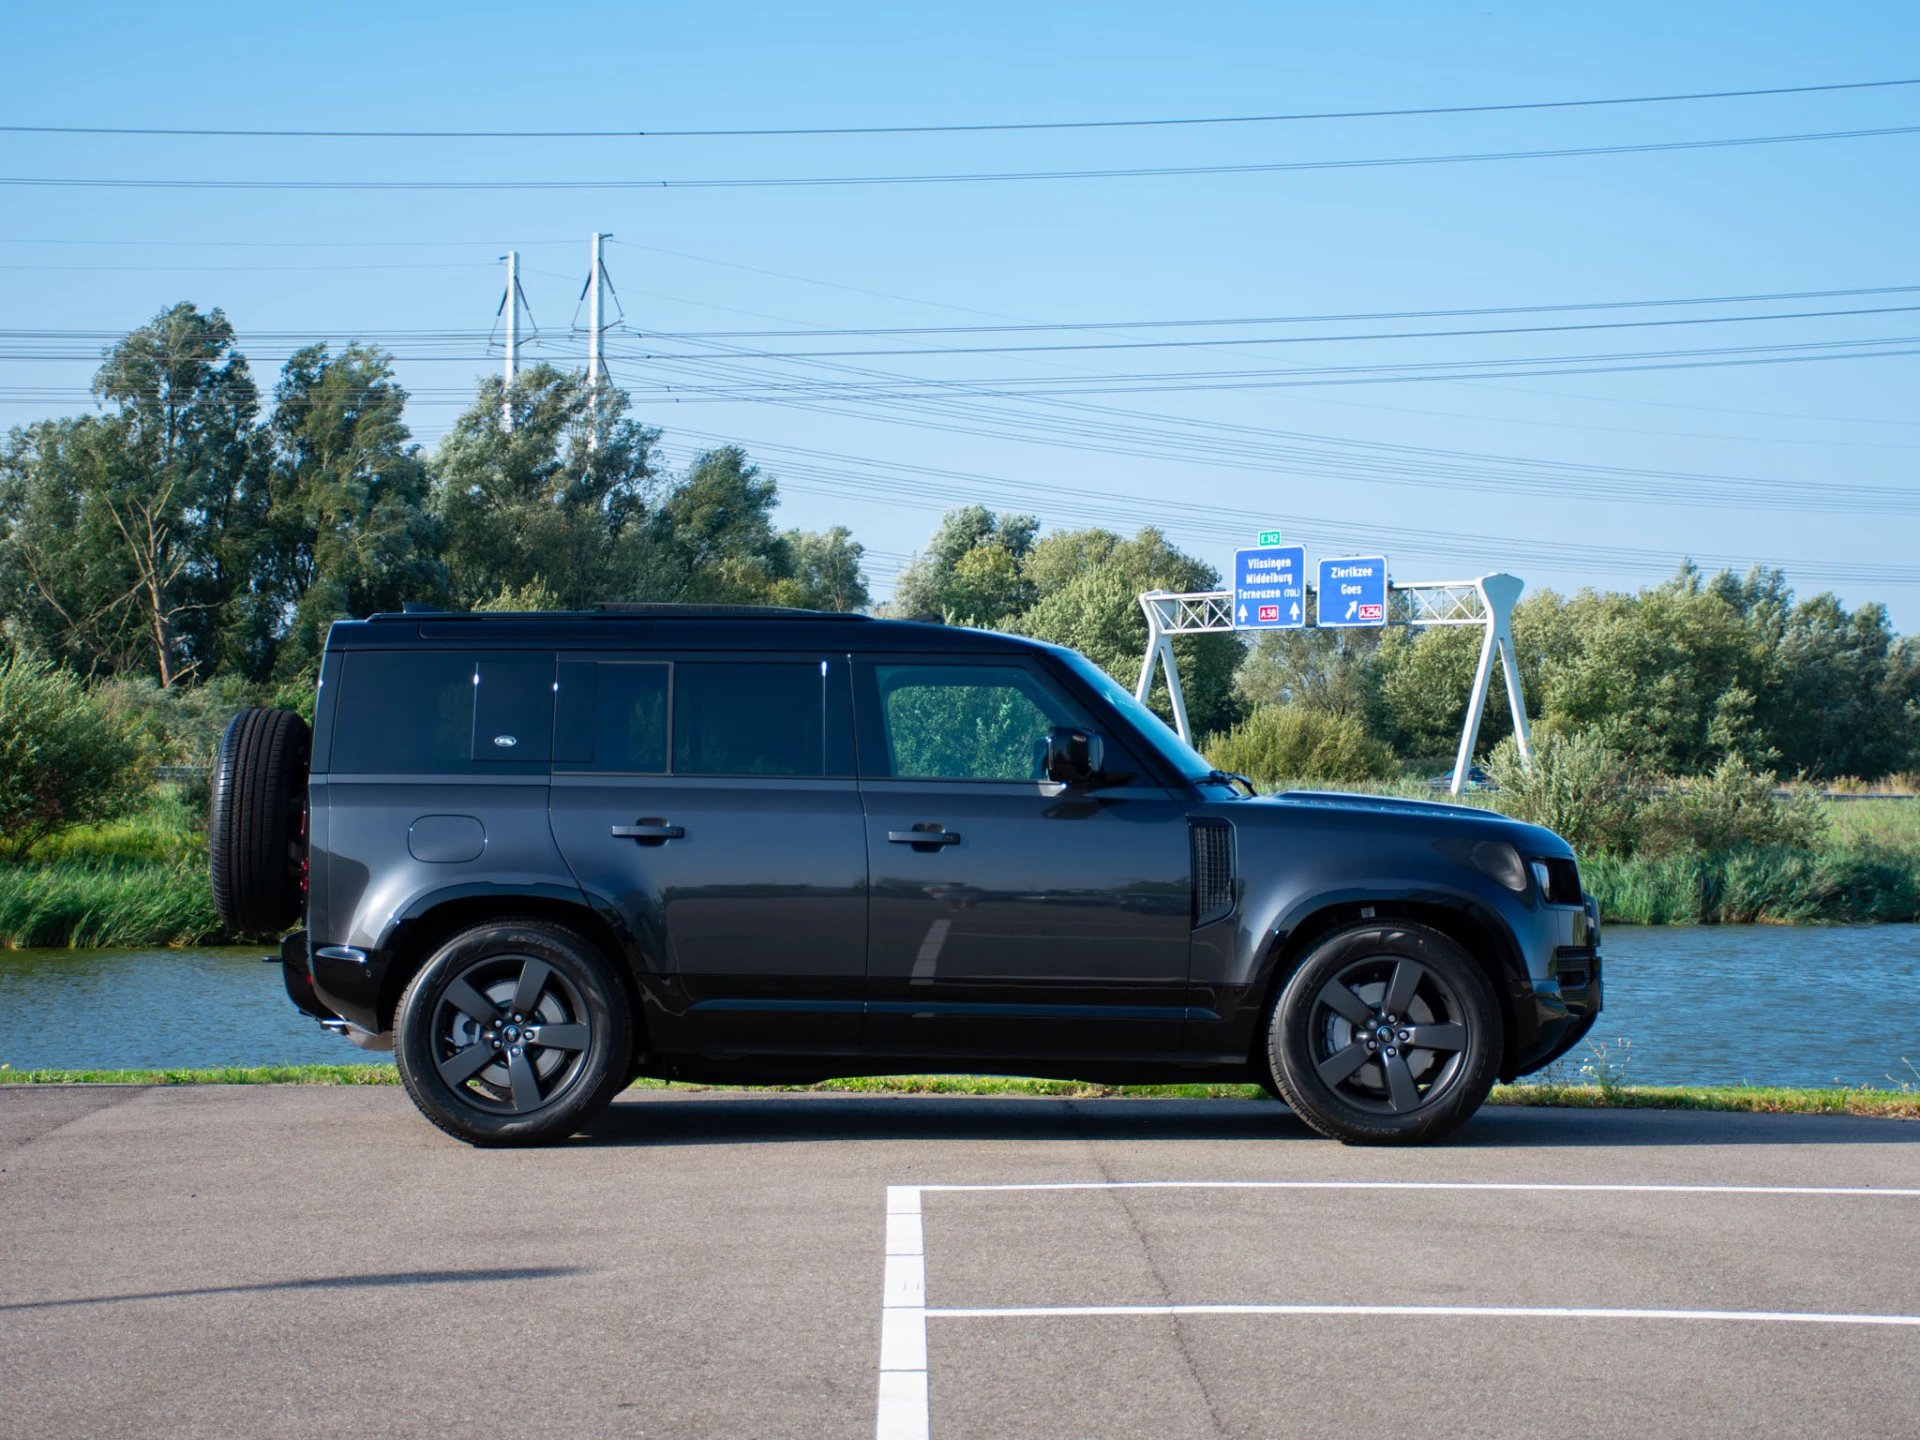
x=1847, y=883
x=107, y=901
x=1746, y=1099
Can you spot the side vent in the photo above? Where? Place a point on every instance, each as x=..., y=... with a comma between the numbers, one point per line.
x=1212, y=871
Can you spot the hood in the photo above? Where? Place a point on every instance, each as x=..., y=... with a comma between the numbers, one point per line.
x=1392, y=810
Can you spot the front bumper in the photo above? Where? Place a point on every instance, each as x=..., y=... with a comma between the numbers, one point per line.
x=1564, y=1003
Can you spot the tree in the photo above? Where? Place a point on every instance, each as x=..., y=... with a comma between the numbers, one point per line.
x=971, y=571
x=1090, y=601
x=347, y=529
x=62, y=580
x=129, y=534
x=1843, y=696
x=712, y=537
x=544, y=501
x=183, y=499
x=825, y=571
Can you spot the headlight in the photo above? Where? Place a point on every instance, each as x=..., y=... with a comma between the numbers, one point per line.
x=1502, y=862
x=1541, y=877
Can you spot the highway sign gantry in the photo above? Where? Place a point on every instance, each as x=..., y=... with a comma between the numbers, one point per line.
x=1270, y=588
x=1353, y=592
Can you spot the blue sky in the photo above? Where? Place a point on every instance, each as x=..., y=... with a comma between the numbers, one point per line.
x=1209, y=464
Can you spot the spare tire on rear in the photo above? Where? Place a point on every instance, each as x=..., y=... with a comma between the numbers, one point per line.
x=256, y=833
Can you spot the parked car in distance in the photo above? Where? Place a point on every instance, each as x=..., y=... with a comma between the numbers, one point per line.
x=540, y=855
x=1477, y=779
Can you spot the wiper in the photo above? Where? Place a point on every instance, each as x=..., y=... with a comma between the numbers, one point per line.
x=1227, y=777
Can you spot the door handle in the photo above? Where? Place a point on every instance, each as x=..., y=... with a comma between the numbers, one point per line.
x=933, y=835
x=649, y=831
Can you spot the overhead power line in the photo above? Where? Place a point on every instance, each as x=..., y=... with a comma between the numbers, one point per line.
x=923, y=487
x=978, y=127
x=1208, y=344
x=817, y=332
x=974, y=177
x=1014, y=351
x=225, y=269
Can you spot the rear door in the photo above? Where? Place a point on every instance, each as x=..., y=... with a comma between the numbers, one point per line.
x=712, y=803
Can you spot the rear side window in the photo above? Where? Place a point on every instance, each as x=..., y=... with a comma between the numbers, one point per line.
x=441, y=712
x=748, y=719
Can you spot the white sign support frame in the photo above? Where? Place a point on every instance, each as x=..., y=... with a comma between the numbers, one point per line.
x=1486, y=603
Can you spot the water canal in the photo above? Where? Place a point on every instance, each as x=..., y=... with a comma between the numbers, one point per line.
x=1697, y=1005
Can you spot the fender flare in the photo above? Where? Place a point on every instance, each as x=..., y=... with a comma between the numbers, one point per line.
x=1279, y=934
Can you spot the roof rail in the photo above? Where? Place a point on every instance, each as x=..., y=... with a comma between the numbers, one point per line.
x=626, y=609
x=668, y=609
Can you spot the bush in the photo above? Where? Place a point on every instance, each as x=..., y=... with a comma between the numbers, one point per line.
x=1577, y=786
x=64, y=758
x=1731, y=807
x=1286, y=742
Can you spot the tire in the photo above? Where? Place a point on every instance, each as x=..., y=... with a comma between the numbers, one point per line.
x=256, y=825
x=468, y=1034
x=1369, y=1086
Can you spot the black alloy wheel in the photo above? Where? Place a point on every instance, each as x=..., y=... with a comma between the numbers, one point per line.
x=513, y=1033
x=1387, y=1033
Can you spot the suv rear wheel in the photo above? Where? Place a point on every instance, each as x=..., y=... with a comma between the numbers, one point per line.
x=514, y=1033
x=1386, y=1034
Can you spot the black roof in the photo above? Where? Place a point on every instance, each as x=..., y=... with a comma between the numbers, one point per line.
x=663, y=626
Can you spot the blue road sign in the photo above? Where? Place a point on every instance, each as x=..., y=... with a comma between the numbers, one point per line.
x=1270, y=588
x=1353, y=592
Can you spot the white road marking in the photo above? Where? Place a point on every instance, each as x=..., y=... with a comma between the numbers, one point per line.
x=1551, y=1312
x=903, y=1234
x=905, y=1410
x=1546, y=1185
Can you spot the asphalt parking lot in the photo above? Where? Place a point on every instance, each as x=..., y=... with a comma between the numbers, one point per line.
x=317, y=1261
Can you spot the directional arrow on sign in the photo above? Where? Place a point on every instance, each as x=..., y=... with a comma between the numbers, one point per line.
x=1295, y=612
x=1243, y=612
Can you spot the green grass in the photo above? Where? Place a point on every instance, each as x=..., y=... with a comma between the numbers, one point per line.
x=1901, y=1104
x=1888, y=824
x=107, y=901
x=1745, y=1099
x=1837, y=883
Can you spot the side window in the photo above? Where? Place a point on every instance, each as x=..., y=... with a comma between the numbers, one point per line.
x=968, y=722
x=612, y=717
x=749, y=718
x=437, y=712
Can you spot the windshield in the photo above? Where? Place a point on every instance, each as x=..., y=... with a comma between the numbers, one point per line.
x=1156, y=732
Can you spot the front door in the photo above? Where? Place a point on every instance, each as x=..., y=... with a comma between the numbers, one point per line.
x=712, y=804
x=1008, y=914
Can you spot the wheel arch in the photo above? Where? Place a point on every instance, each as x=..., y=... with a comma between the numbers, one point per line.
x=431, y=920
x=1475, y=929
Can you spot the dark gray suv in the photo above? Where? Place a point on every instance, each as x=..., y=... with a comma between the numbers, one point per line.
x=540, y=855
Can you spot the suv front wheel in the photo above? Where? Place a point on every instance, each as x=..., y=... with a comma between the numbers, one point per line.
x=514, y=1033
x=1388, y=1033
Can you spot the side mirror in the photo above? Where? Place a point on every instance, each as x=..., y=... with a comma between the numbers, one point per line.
x=1074, y=756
